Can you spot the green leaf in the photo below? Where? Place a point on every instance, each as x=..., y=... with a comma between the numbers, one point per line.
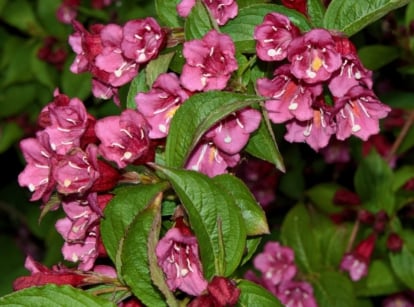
x=21, y=96
x=127, y=203
x=242, y=27
x=376, y=56
x=46, y=11
x=167, y=12
x=403, y=265
x=10, y=133
x=135, y=255
x=349, y=16
x=399, y=99
x=199, y=113
x=253, y=214
x=52, y=295
x=316, y=11
x=44, y=72
x=158, y=66
x=252, y=243
x=137, y=85
x=198, y=22
x=253, y=295
x=401, y=176
x=75, y=85
x=215, y=219
x=262, y=144
x=381, y=280
x=297, y=233
x=373, y=183
x=333, y=289
x=322, y=196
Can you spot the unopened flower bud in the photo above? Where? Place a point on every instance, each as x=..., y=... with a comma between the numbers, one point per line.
x=394, y=242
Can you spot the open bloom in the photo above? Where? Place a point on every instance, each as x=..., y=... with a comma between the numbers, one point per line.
x=221, y=10
x=209, y=62
x=296, y=294
x=177, y=254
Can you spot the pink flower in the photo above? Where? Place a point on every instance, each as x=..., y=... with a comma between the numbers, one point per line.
x=160, y=103
x=209, y=62
x=359, y=112
x=398, y=300
x=76, y=171
x=273, y=37
x=142, y=40
x=177, y=254
x=276, y=263
x=184, y=7
x=206, y=158
x=336, y=152
x=291, y=98
x=40, y=158
x=232, y=134
x=313, y=56
x=356, y=262
x=296, y=294
x=104, y=91
x=123, y=138
x=67, y=11
x=221, y=10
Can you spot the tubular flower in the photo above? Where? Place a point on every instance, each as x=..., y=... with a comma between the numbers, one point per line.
x=273, y=37
x=124, y=138
x=177, y=254
x=209, y=62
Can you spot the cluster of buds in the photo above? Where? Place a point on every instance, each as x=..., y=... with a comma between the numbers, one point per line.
x=68, y=9
x=278, y=270
x=316, y=60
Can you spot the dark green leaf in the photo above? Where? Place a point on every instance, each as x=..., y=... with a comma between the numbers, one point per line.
x=197, y=23
x=199, y=113
x=252, y=243
x=253, y=295
x=75, y=85
x=52, y=295
x=376, y=56
x=322, y=196
x=44, y=72
x=16, y=98
x=403, y=265
x=137, y=85
x=10, y=133
x=157, y=67
x=135, y=268
x=253, y=214
x=297, y=233
x=333, y=289
x=315, y=10
x=215, y=219
x=121, y=211
x=167, y=12
x=401, y=176
x=349, y=16
x=46, y=11
x=399, y=99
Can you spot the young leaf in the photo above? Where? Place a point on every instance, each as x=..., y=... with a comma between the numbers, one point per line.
x=52, y=295
x=297, y=232
x=138, y=84
x=199, y=113
x=316, y=10
x=167, y=12
x=215, y=219
x=349, y=16
x=253, y=214
x=135, y=254
x=121, y=211
x=197, y=23
x=254, y=295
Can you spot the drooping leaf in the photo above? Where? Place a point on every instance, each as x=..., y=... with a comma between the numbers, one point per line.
x=199, y=113
x=135, y=269
x=52, y=295
x=349, y=16
x=254, y=295
x=197, y=23
x=215, y=219
x=297, y=233
x=127, y=203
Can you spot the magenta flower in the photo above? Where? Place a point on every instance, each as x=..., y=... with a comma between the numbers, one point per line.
x=291, y=98
x=296, y=294
x=315, y=132
x=67, y=11
x=123, y=138
x=184, y=7
x=276, y=263
x=209, y=62
x=40, y=158
x=206, y=158
x=65, y=120
x=160, y=103
x=76, y=171
x=104, y=91
x=142, y=40
x=232, y=134
x=313, y=56
x=221, y=10
x=359, y=112
x=177, y=254
x=273, y=37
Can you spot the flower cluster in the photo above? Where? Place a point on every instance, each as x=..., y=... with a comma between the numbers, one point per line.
x=278, y=270
x=315, y=62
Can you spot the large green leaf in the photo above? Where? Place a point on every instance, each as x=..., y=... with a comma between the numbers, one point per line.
x=135, y=255
x=403, y=265
x=322, y=196
x=316, y=11
x=253, y=295
x=199, y=113
x=350, y=16
x=215, y=219
x=52, y=296
x=198, y=22
x=376, y=56
x=167, y=12
x=127, y=203
x=297, y=233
